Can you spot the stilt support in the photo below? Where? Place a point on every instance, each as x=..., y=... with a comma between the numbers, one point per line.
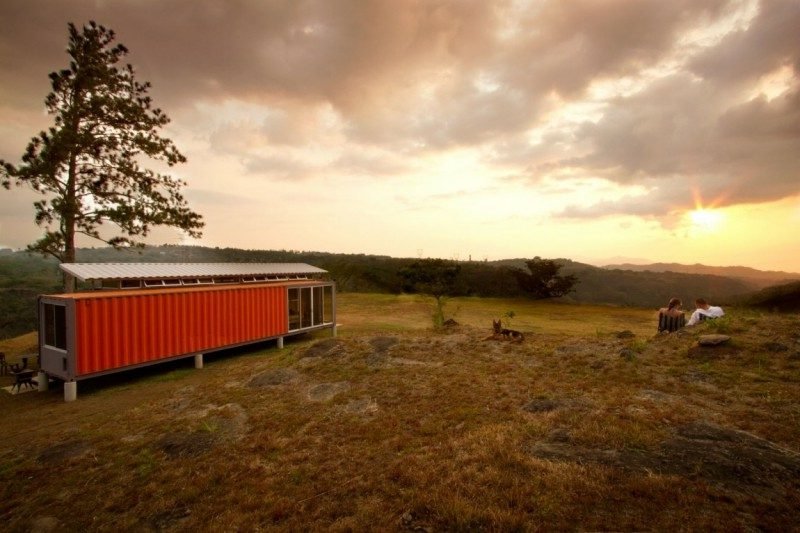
x=42, y=378
x=70, y=391
x=198, y=361
x=280, y=343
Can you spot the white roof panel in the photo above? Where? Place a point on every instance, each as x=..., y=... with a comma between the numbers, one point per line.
x=97, y=271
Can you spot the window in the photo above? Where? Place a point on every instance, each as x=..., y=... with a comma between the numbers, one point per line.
x=310, y=306
x=317, y=305
x=294, y=309
x=55, y=326
x=305, y=307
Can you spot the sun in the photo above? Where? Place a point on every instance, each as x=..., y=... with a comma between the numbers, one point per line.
x=706, y=219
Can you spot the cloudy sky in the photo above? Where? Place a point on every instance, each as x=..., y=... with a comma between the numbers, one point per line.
x=597, y=130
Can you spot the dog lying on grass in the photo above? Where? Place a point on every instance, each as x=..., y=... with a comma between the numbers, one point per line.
x=510, y=334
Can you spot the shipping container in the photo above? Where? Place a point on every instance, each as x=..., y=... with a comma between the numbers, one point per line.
x=91, y=333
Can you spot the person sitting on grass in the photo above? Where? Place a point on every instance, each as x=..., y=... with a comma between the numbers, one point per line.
x=671, y=318
x=704, y=311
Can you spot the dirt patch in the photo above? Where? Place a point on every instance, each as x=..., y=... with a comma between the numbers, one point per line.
x=45, y=524
x=544, y=404
x=541, y=405
x=272, y=378
x=363, y=406
x=63, y=452
x=171, y=519
x=225, y=422
x=733, y=460
x=326, y=391
x=382, y=344
x=402, y=361
x=185, y=444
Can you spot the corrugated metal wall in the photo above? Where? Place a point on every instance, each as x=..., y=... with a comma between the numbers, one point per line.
x=115, y=332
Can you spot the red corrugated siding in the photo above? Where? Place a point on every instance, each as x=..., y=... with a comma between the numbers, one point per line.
x=120, y=331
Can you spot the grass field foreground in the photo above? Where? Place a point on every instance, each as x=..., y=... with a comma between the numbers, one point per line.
x=392, y=426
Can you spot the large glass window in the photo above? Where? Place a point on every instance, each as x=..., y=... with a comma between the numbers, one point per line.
x=317, y=305
x=55, y=326
x=305, y=307
x=310, y=306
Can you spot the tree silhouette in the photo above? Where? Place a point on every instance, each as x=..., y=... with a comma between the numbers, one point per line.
x=543, y=280
x=87, y=165
x=434, y=277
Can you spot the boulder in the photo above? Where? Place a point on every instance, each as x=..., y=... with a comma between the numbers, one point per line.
x=713, y=340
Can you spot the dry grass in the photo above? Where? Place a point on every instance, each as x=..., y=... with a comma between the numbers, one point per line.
x=394, y=427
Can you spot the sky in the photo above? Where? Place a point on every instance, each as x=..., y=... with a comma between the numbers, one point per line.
x=601, y=131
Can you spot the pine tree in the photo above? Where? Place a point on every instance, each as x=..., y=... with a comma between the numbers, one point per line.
x=87, y=165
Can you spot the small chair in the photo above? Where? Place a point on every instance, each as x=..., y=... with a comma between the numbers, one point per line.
x=670, y=323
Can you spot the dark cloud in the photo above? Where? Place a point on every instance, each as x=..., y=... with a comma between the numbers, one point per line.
x=394, y=74
x=769, y=42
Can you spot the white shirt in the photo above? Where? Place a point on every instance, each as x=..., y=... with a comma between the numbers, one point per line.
x=712, y=312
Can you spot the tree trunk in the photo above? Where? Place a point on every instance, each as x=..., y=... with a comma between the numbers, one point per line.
x=68, y=221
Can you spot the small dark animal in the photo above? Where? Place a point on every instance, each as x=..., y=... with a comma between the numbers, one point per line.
x=507, y=333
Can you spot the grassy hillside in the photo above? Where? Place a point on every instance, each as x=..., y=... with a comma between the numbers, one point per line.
x=393, y=427
x=785, y=298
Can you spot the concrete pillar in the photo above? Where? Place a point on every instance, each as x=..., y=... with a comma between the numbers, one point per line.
x=42, y=378
x=198, y=361
x=333, y=330
x=70, y=391
x=280, y=343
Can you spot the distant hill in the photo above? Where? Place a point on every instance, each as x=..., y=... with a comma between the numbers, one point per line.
x=759, y=278
x=785, y=298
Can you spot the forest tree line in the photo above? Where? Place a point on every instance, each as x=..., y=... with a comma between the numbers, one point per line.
x=23, y=276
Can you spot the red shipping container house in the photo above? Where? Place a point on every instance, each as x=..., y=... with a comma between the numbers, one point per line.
x=138, y=314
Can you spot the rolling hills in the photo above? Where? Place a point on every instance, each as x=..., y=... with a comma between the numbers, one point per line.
x=23, y=276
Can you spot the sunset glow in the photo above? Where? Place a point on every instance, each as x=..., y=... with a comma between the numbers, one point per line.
x=706, y=219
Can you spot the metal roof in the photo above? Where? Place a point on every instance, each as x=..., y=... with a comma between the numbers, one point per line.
x=109, y=271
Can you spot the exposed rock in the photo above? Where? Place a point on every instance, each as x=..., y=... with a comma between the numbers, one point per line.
x=326, y=391
x=272, y=378
x=324, y=348
x=449, y=323
x=627, y=354
x=625, y=334
x=735, y=461
x=713, y=340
